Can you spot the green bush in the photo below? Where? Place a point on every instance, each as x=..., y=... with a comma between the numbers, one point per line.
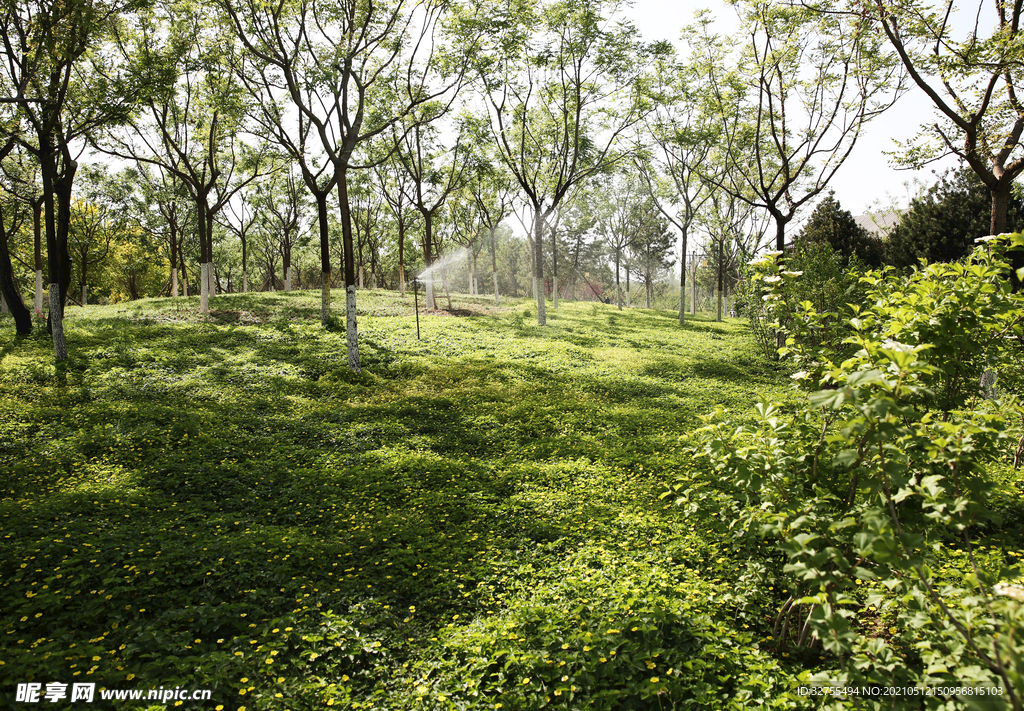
x=883, y=475
x=814, y=274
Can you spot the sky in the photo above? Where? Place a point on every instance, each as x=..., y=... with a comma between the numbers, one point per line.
x=867, y=180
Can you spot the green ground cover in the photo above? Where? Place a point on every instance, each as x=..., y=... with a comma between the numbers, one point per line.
x=475, y=521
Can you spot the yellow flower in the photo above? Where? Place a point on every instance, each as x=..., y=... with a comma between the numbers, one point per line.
x=655, y=680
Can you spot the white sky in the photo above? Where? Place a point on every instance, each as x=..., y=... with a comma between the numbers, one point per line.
x=867, y=180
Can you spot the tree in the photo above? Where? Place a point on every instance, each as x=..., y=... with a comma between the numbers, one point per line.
x=435, y=172
x=491, y=188
x=943, y=223
x=280, y=201
x=241, y=221
x=22, y=182
x=736, y=232
x=192, y=129
x=793, y=103
x=395, y=184
x=91, y=227
x=650, y=246
x=13, y=214
x=973, y=82
x=558, y=119
x=617, y=222
x=63, y=91
x=680, y=142
x=832, y=225
x=349, y=71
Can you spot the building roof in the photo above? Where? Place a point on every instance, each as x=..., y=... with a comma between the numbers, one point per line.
x=881, y=223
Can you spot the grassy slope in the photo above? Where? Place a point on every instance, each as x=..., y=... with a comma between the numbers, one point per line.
x=473, y=522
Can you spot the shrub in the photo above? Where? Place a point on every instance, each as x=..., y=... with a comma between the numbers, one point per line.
x=815, y=274
x=885, y=470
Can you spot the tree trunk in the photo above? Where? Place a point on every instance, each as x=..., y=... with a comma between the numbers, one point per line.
x=57, y=194
x=682, y=282
x=618, y=281
x=325, y=259
x=1000, y=202
x=693, y=289
x=37, y=231
x=554, y=267
x=9, y=291
x=204, y=287
x=780, y=234
x=204, y=257
x=60, y=348
x=174, y=282
x=494, y=267
x=428, y=256
x=85, y=282
x=629, y=296
x=721, y=265
x=538, y=266
x=401, y=256
x=351, y=330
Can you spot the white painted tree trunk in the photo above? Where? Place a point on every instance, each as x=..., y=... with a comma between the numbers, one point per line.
x=288, y=279
x=360, y=277
x=204, y=288
x=554, y=290
x=39, y=293
x=212, y=288
x=542, y=314
x=245, y=283
x=351, y=332
x=174, y=282
x=325, y=298
x=719, y=292
x=629, y=300
x=401, y=284
x=60, y=348
x=85, y=295
x=496, y=299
